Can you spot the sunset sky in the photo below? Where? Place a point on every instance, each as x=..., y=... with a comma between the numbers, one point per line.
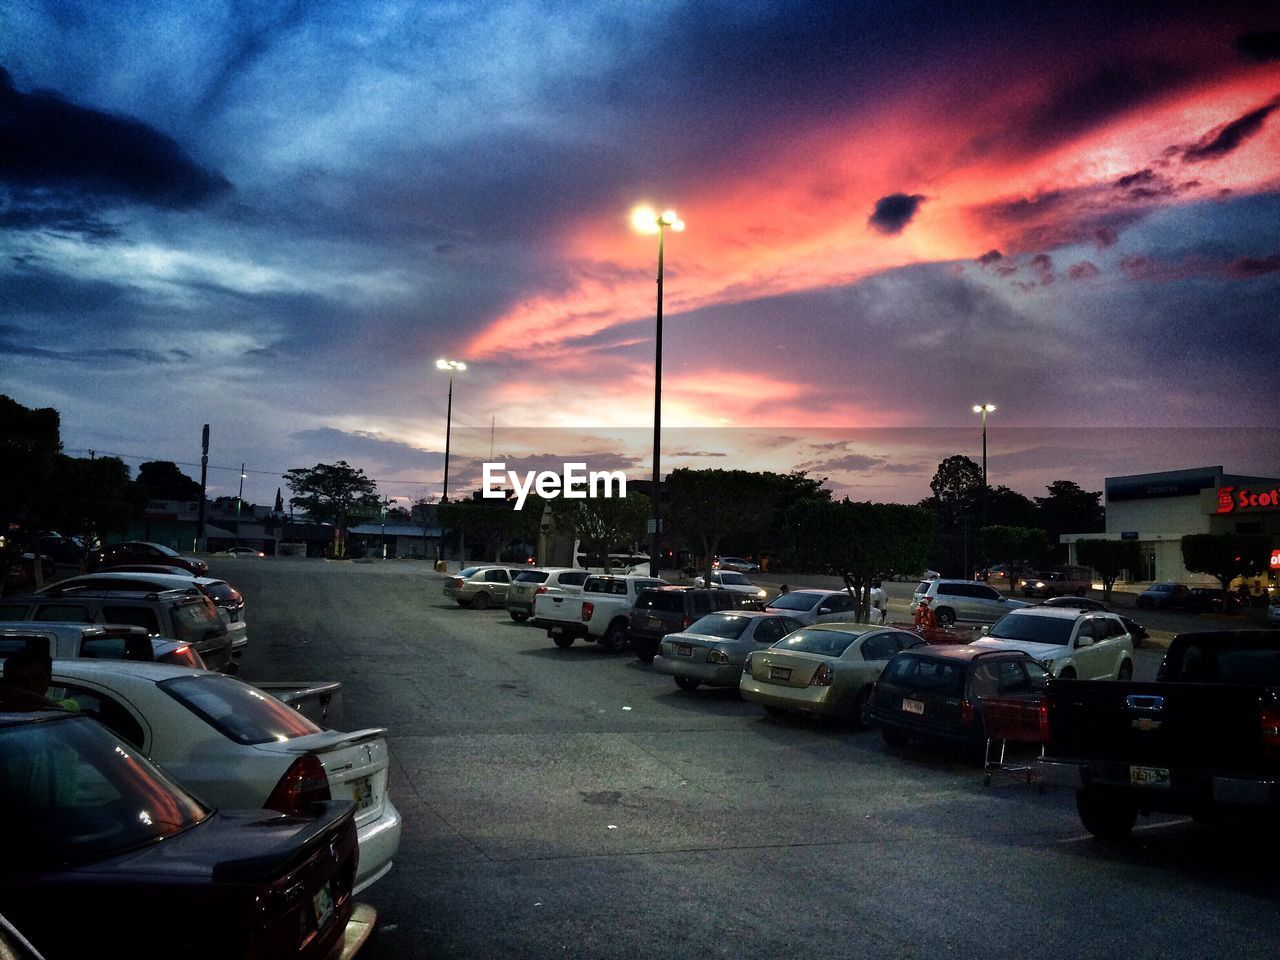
x=274, y=217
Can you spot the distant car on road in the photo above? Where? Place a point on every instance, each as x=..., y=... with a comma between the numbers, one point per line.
x=732, y=580
x=1205, y=600
x=246, y=552
x=142, y=551
x=481, y=587
x=1163, y=596
x=737, y=564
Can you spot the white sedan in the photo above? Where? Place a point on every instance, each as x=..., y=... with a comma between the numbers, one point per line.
x=729, y=580
x=235, y=746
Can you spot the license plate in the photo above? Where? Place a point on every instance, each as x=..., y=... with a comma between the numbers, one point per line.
x=655, y=623
x=913, y=706
x=323, y=904
x=362, y=793
x=1149, y=776
x=684, y=650
x=779, y=673
x=557, y=629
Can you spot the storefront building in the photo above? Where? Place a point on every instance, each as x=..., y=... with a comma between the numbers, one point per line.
x=1159, y=509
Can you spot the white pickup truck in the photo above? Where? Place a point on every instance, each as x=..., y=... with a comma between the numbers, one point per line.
x=600, y=614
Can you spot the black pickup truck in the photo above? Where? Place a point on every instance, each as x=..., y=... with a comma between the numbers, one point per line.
x=1203, y=739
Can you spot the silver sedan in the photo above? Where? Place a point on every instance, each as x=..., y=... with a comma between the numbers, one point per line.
x=712, y=650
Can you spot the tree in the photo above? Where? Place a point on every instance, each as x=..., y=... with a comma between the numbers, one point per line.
x=708, y=506
x=862, y=542
x=493, y=523
x=1008, y=508
x=1022, y=547
x=957, y=490
x=1226, y=555
x=30, y=444
x=603, y=523
x=1109, y=558
x=331, y=491
x=1068, y=509
x=162, y=480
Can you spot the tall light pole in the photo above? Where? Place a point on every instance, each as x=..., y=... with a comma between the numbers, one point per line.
x=984, y=409
x=648, y=220
x=453, y=366
x=239, y=500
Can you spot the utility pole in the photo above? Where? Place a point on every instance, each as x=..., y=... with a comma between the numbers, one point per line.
x=201, y=539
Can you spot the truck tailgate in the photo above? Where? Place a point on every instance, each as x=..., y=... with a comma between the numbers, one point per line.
x=555, y=606
x=1175, y=725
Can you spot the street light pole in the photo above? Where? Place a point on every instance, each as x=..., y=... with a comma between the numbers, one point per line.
x=239, y=500
x=646, y=220
x=452, y=366
x=984, y=409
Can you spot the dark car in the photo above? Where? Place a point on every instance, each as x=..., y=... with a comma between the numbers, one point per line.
x=662, y=610
x=1204, y=600
x=936, y=693
x=106, y=834
x=141, y=551
x=1075, y=603
x=1163, y=596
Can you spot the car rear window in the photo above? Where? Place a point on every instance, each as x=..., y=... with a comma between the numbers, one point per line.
x=236, y=710
x=736, y=579
x=191, y=618
x=1029, y=629
x=532, y=576
x=117, y=647
x=829, y=643
x=661, y=600
x=469, y=572
x=719, y=625
x=926, y=674
x=797, y=600
x=221, y=590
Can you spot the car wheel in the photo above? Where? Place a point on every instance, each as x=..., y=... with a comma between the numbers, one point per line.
x=519, y=616
x=894, y=738
x=615, y=638
x=563, y=641
x=1067, y=674
x=688, y=683
x=480, y=601
x=1107, y=818
x=946, y=618
x=1126, y=671
x=860, y=711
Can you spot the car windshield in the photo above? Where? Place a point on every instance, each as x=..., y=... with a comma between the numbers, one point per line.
x=830, y=643
x=797, y=600
x=167, y=551
x=1015, y=626
x=236, y=710
x=532, y=576
x=82, y=794
x=923, y=588
x=734, y=578
x=719, y=625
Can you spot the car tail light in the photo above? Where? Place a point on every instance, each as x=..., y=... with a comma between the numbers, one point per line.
x=1043, y=712
x=717, y=656
x=1269, y=721
x=686, y=622
x=821, y=676
x=540, y=590
x=966, y=713
x=456, y=582
x=588, y=608
x=303, y=784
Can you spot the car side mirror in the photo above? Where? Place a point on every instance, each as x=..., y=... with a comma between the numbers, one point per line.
x=986, y=630
x=1084, y=642
x=824, y=610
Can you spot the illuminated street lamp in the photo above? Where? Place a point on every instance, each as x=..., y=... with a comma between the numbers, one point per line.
x=648, y=220
x=984, y=409
x=452, y=366
x=239, y=500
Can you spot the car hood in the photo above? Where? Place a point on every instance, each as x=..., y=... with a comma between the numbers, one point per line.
x=1041, y=651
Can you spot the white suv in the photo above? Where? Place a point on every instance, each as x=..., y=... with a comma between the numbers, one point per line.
x=968, y=600
x=525, y=588
x=1072, y=644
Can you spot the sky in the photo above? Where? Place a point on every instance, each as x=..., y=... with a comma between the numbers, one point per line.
x=274, y=217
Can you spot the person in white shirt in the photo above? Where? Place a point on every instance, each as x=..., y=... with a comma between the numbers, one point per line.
x=879, y=603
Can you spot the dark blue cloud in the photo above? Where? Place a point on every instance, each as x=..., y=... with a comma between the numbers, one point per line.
x=894, y=212
x=47, y=142
x=1220, y=142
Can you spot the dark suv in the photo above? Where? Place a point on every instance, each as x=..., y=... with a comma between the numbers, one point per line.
x=662, y=610
x=936, y=692
x=187, y=616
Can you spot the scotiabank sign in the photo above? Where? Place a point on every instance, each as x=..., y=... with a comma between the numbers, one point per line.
x=1241, y=499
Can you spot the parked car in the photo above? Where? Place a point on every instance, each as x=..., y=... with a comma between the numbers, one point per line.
x=481, y=587
x=112, y=834
x=827, y=670
x=1163, y=596
x=239, y=553
x=1204, y=600
x=141, y=551
x=1137, y=632
x=712, y=649
x=936, y=693
x=529, y=584
x=1072, y=644
x=1056, y=582
x=226, y=598
x=731, y=580
x=185, y=615
x=63, y=641
x=600, y=614
x=963, y=600
x=736, y=564
x=235, y=746
x=659, y=611
x=814, y=606
x=1273, y=609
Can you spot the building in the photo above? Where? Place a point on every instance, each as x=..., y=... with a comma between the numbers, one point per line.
x=1159, y=509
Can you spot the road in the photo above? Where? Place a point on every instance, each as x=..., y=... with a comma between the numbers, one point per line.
x=570, y=803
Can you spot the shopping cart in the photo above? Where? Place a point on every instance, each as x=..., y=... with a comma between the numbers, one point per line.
x=1010, y=720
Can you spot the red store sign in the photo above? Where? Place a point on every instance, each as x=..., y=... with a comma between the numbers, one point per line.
x=1232, y=499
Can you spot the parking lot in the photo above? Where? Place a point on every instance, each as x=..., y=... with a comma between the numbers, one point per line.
x=572, y=803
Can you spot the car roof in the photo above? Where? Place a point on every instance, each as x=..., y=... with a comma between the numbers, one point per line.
x=1053, y=613
x=91, y=668
x=964, y=652
x=841, y=626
